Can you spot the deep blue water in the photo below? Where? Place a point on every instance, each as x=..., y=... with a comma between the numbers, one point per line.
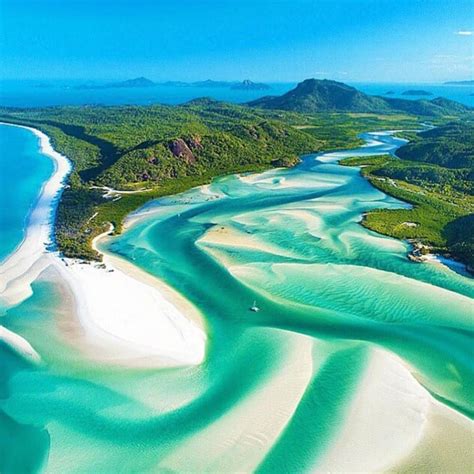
x=23, y=170
x=462, y=94
x=42, y=93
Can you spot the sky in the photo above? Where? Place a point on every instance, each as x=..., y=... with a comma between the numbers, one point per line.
x=264, y=40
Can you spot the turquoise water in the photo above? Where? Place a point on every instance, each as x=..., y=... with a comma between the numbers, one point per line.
x=23, y=170
x=289, y=239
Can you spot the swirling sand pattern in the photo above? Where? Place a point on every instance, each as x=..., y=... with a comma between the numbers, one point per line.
x=319, y=378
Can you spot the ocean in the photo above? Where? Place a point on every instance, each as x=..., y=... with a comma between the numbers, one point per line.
x=23, y=170
x=49, y=93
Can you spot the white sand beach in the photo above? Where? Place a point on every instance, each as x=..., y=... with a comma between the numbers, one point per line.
x=23, y=266
x=19, y=344
x=134, y=313
x=393, y=421
x=119, y=305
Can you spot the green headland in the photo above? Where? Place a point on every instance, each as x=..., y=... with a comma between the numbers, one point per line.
x=159, y=150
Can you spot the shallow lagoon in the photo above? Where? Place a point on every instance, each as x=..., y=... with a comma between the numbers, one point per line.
x=329, y=291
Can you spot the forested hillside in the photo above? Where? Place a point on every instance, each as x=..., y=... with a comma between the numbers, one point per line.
x=315, y=96
x=157, y=150
x=451, y=146
x=435, y=174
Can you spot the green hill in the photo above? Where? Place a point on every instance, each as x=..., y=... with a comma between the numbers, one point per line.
x=313, y=96
x=156, y=149
x=450, y=146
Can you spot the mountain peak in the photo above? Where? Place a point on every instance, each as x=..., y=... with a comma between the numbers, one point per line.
x=324, y=95
x=318, y=95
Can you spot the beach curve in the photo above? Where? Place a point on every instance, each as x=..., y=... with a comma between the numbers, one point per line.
x=131, y=312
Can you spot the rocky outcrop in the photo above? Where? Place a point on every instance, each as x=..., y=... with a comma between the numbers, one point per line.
x=418, y=251
x=180, y=149
x=286, y=162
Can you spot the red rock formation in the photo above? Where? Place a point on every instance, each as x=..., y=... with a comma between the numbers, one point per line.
x=180, y=149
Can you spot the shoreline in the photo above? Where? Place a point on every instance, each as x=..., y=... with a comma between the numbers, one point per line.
x=414, y=254
x=135, y=322
x=23, y=265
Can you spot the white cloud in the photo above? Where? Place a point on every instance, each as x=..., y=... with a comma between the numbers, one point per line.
x=464, y=33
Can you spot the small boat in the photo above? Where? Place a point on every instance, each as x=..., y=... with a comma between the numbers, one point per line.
x=254, y=307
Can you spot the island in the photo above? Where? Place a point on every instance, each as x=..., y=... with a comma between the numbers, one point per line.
x=417, y=92
x=138, y=82
x=248, y=85
x=209, y=83
x=315, y=96
x=469, y=82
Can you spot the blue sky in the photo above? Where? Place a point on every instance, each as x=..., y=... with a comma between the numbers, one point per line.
x=278, y=40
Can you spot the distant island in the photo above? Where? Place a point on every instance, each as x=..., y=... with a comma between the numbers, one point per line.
x=210, y=83
x=137, y=82
x=248, y=85
x=143, y=82
x=460, y=83
x=416, y=92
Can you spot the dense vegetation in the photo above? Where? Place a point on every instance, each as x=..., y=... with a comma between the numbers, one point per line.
x=451, y=146
x=341, y=130
x=313, y=95
x=158, y=150
x=441, y=191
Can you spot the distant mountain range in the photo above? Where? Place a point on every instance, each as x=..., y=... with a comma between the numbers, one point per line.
x=142, y=82
x=460, y=83
x=247, y=84
x=314, y=95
